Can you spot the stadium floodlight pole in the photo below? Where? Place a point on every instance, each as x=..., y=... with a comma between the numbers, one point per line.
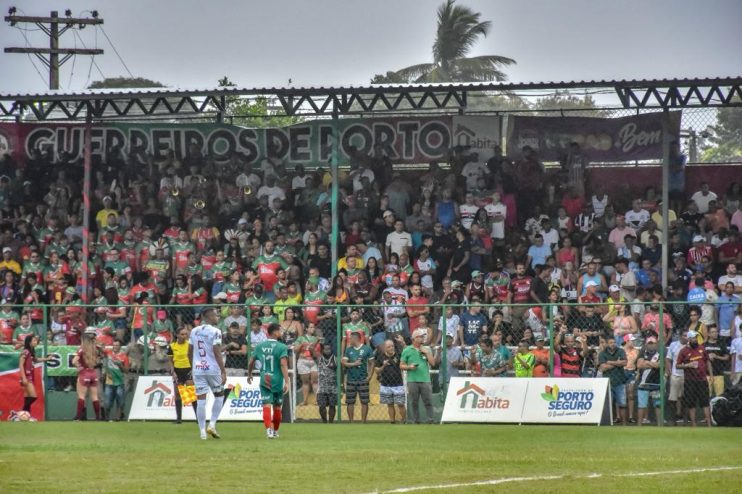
x=87, y=163
x=665, y=197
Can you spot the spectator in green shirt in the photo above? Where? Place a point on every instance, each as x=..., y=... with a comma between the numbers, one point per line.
x=612, y=361
x=524, y=361
x=416, y=360
x=356, y=363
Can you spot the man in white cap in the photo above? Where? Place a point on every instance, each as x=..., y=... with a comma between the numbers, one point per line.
x=417, y=360
x=698, y=251
x=8, y=263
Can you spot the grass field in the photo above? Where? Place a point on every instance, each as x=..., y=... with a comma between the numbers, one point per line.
x=160, y=457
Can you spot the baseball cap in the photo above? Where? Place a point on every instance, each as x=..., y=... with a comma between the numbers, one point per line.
x=612, y=288
x=7, y=249
x=388, y=212
x=476, y=273
x=419, y=332
x=242, y=221
x=591, y=283
x=699, y=238
x=89, y=330
x=540, y=338
x=107, y=198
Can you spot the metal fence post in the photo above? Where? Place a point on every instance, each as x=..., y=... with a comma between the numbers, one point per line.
x=662, y=342
x=45, y=319
x=550, y=330
x=443, y=367
x=248, y=331
x=146, y=340
x=338, y=359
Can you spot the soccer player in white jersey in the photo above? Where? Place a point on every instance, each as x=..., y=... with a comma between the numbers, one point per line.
x=208, y=371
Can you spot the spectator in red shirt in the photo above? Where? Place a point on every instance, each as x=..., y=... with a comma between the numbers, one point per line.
x=695, y=363
x=520, y=287
x=417, y=299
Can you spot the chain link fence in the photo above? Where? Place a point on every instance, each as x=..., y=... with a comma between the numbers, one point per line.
x=350, y=360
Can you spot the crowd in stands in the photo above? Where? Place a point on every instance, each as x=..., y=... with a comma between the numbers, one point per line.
x=441, y=251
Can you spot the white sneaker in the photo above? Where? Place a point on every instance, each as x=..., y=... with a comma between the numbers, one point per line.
x=203, y=435
x=275, y=435
x=213, y=433
x=269, y=433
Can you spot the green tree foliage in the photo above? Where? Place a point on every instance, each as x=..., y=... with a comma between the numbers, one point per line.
x=564, y=100
x=459, y=28
x=255, y=112
x=726, y=137
x=124, y=83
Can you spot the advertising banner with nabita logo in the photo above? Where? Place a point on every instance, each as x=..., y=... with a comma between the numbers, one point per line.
x=565, y=401
x=154, y=399
x=484, y=399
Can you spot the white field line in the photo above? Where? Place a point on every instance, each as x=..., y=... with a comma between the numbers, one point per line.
x=506, y=480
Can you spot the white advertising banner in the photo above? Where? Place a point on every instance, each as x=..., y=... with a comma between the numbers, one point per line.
x=565, y=401
x=484, y=399
x=525, y=400
x=154, y=399
x=481, y=134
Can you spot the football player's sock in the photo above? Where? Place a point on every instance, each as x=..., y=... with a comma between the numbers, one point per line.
x=267, y=418
x=178, y=410
x=201, y=415
x=27, y=402
x=216, y=409
x=276, y=418
x=80, y=409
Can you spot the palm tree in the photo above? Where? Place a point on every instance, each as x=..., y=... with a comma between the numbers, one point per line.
x=458, y=29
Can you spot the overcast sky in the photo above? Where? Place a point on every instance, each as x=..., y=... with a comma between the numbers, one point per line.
x=192, y=43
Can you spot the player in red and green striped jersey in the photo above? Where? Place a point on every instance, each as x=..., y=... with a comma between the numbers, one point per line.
x=274, y=378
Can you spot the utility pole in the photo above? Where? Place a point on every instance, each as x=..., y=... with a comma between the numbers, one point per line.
x=51, y=26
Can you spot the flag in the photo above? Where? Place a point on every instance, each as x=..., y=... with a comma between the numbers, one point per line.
x=187, y=393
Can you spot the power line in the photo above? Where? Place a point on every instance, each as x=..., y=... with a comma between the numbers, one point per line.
x=92, y=59
x=28, y=44
x=72, y=71
x=115, y=51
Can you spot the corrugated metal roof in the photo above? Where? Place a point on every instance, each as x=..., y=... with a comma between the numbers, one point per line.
x=92, y=94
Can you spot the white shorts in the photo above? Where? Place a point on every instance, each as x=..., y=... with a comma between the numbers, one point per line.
x=306, y=366
x=206, y=382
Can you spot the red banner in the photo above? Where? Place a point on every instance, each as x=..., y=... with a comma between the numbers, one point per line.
x=11, y=393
